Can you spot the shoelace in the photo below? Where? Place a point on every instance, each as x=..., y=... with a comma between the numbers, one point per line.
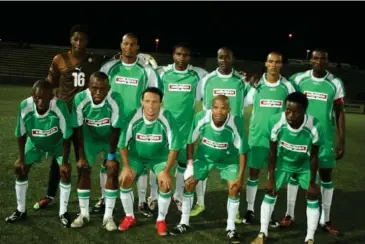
x=231, y=234
x=181, y=228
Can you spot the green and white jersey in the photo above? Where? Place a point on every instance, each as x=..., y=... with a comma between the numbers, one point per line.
x=129, y=80
x=267, y=99
x=46, y=131
x=148, y=140
x=232, y=85
x=181, y=91
x=321, y=93
x=97, y=120
x=148, y=59
x=294, y=145
x=218, y=145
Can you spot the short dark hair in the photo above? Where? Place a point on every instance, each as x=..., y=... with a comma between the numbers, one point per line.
x=131, y=35
x=181, y=44
x=99, y=75
x=154, y=90
x=78, y=28
x=43, y=85
x=320, y=50
x=299, y=98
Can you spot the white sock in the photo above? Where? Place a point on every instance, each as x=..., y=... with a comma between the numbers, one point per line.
x=103, y=178
x=142, y=188
x=21, y=188
x=292, y=189
x=232, y=209
x=110, y=199
x=65, y=190
x=200, y=191
x=312, y=219
x=327, y=194
x=127, y=197
x=153, y=186
x=251, y=193
x=267, y=207
x=180, y=185
x=163, y=202
x=84, y=200
x=187, y=204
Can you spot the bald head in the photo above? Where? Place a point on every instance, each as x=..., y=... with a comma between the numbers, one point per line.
x=275, y=55
x=221, y=98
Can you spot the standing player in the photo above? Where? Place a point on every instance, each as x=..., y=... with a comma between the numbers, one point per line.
x=97, y=116
x=267, y=98
x=325, y=93
x=69, y=73
x=222, y=145
x=181, y=82
x=150, y=140
x=43, y=128
x=295, y=139
x=129, y=76
x=223, y=81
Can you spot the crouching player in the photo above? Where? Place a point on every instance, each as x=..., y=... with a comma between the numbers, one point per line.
x=295, y=139
x=42, y=129
x=97, y=115
x=150, y=140
x=222, y=145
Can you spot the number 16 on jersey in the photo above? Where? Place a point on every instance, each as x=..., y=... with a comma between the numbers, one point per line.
x=79, y=79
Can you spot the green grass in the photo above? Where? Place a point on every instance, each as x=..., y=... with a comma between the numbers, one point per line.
x=43, y=227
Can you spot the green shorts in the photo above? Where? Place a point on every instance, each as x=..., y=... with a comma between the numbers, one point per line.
x=184, y=131
x=140, y=166
x=34, y=155
x=227, y=171
x=258, y=157
x=93, y=149
x=282, y=178
x=327, y=158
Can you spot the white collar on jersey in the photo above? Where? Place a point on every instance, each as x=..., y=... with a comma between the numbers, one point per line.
x=220, y=75
x=271, y=84
x=300, y=128
x=47, y=112
x=147, y=122
x=318, y=79
x=93, y=105
x=214, y=126
x=181, y=71
x=129, y=65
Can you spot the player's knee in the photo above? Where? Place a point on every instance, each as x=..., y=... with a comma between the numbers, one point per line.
x=163, y=188
x=125, y=181
x=84, y=171
x=254, y=173
x=21, y=171
x=190, y=184
x=233, y=191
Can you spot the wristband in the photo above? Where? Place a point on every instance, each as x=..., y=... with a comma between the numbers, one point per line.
x=190, y=161
x=111, y=156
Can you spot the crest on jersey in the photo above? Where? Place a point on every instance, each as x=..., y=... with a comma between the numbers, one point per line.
x=226, y=92
x=180, y=87
x=293, y=147
x=316, y=95
x=153, y=138
x=44, y=133
x=214, y=144
x=98, y=123
x=271, y=103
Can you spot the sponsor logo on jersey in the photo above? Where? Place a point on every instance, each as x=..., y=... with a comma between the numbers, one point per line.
x=293, y=147
x=214, y=144
x=126, y=81
x=98, y=123
x=44, y=133
x=271, y=103
x=316, y=95
x=226, y=92
x=153, y=138
x=180, y=87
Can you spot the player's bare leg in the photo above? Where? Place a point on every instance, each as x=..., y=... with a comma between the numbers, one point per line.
x=83, y=192
x=126, y=179
x=163, y=203
x=152, y=199
x=111, y=193
x=187, y=203
x=327, y=194
x=200, y=195
x=292, y=192
x=65, y=190
x=142, y=192
x=233, y=204
x=21, y=187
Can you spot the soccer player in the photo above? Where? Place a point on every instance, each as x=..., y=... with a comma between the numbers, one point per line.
x=295, y=139
x=225, y=80
x=42, y=129
x=150, y=140
x=325, y=93
x=268, y=99
x=97, y=116
x=129, y=76
x=69, y=73
x=181, y=82
x=222, y=145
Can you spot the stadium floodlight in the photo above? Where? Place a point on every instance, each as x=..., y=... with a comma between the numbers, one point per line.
x=308, y=51
x=156, y=43
x=290, y=35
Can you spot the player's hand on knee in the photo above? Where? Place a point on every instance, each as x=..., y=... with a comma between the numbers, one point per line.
x=65, y=172
x=82, y=163
x=21, y=169
x=165, y=180
x=189, y=171
x=125, y=175
x=236, y=184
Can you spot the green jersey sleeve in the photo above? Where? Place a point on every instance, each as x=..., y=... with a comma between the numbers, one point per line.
x=274, y=125
x=65, y=118
x=20, y=128
x=77, y=117
x=127, y=131
x=172, y=131
x=153, y=78
x=117, y=106
x=195, y=127
x=240, y=139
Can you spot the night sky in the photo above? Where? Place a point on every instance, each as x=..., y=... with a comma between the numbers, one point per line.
x=251, y=29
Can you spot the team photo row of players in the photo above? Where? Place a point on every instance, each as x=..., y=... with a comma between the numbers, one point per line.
x=143, y=118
